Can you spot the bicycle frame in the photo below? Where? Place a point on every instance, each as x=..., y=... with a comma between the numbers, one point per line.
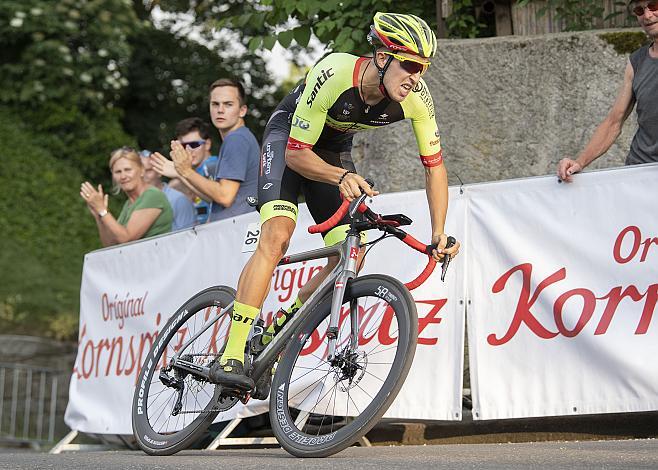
x=345, y=270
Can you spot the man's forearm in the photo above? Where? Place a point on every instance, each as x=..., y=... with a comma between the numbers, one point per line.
x=197, y=191
x=436, y=189
x=221, y=192
x=602, y=139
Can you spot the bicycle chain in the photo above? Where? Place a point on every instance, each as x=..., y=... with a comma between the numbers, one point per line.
x=202, y=412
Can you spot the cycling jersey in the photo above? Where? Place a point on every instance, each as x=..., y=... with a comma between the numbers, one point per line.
x=328, y=110
x=324, y=113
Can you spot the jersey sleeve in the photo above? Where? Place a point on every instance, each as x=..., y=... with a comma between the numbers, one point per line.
x=324, y=83
x=419, y=107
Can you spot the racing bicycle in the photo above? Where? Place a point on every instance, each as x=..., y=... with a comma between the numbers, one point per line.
x=333, y=369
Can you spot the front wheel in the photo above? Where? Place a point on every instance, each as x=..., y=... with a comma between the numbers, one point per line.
x=172, y=408
x=319, y=407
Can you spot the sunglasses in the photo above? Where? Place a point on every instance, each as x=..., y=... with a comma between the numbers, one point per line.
x=193, y=144
x=410, y=65
x=638, y=10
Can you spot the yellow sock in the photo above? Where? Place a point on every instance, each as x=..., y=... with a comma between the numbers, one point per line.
x=280, y=320
x=243, y=318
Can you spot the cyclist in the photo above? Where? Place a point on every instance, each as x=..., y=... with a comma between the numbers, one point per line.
x=306, y=149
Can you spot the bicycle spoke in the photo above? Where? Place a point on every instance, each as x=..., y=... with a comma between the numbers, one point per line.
x=325, y=412
x=305, y=374
x=314, y=384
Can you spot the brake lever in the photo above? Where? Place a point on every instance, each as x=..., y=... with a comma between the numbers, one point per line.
x=354, y=205
x=446, y=258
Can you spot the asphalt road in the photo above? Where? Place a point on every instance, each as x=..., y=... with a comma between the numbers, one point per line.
x=630, y=454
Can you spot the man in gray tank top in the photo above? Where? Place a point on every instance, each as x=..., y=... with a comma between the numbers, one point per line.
x=640, y=87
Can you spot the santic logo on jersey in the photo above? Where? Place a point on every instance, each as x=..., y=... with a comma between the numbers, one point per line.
x=321, y=80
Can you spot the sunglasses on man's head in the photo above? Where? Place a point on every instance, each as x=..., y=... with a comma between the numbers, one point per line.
x=410, y=65
x=193, y=144
x=638, y=10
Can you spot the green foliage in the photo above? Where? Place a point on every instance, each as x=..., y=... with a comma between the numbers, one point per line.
x=462, y=22
x=169, y=78
x=74, y=76
x=342, y=25
x=579, y=15
x=45, y=230
x=625, y=42
x=62, y=69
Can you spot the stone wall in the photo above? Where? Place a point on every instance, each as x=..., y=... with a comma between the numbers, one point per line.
x=507, y=107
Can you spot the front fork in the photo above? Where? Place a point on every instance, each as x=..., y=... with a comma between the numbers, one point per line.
x=350, y=255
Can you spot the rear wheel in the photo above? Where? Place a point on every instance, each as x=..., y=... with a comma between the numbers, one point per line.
x=172, y=408
x=319, y=407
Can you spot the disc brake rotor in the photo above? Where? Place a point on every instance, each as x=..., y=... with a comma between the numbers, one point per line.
x=350, y=369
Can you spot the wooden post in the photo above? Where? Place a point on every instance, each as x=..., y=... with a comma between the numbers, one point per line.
x=443, y=10
x=503, y=18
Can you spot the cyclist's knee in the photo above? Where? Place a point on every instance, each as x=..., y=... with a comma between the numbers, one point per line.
x=275, y=237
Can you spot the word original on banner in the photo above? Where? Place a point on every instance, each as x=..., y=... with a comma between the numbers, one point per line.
x=527, y=298
x=119, y=310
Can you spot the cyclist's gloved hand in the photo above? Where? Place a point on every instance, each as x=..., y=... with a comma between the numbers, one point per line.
x=440, y=241
x=353, y=185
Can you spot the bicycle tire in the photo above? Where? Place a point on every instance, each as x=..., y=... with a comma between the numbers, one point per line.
x=304, y=439
x=170, y=438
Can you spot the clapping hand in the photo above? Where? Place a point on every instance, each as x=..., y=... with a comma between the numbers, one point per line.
x=96, y=200
x=182, y=158
x=163, y=166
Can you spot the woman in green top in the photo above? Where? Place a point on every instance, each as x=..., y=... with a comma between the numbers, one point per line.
x=146, y=212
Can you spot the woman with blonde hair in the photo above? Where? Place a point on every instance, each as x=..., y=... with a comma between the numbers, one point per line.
x=146, y=212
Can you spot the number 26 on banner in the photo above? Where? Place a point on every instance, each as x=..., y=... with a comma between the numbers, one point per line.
x=251, y=237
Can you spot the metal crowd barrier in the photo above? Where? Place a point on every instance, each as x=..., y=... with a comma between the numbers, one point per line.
x=28, y=404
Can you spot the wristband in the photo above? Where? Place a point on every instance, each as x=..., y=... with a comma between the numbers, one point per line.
x=102, y=213
x=347, y=172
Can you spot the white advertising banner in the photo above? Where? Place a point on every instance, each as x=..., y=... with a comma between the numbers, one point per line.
x=129, y=292
x=562, y=291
